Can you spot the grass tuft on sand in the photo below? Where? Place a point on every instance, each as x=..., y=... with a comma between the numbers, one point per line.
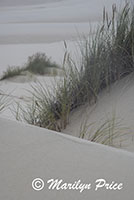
x=4, y=101
x=111, y=131
x=38, y=63
x=106, y=57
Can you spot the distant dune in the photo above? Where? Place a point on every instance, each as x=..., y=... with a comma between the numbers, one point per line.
x=5, y=3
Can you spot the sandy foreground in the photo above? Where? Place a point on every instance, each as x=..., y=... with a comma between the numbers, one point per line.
x=28, y=152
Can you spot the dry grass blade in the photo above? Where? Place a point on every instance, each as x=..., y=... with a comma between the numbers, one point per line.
x=110, y=132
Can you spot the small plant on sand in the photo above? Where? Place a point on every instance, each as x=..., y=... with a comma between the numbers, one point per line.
x=43, y=111
x=110, y=132
x=11, y=72
x=4, y=101
x=38, y=63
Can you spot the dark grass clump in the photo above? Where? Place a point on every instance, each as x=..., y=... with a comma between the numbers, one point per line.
x=109, y=56
x=38, y=63
x=105, y=58
x=11, y=72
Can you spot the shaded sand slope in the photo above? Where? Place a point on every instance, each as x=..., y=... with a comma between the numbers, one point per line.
x=27, y=152
x=118, y=101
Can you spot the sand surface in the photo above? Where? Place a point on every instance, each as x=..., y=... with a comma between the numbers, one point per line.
x=28, y=152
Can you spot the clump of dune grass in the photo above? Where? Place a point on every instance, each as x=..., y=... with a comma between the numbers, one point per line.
x=110, y=132
x=38, y=63
x=50, y=108
x=11, y=72
x=109, y=55
x=105, y=58
x=4, y=101
x=45, y=109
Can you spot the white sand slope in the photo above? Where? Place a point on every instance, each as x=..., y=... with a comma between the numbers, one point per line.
x=28, y=152
x=118, y=103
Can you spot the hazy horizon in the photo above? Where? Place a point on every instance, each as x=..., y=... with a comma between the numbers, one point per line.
x=4, y=3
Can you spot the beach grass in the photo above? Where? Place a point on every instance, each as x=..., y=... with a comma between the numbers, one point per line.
x=38, y=64
x=4, y=101
x=106, y=57
x=11, y=72
x=110, y=131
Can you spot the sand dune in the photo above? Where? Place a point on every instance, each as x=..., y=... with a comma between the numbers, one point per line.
x=117, y=101
x=28, y=152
